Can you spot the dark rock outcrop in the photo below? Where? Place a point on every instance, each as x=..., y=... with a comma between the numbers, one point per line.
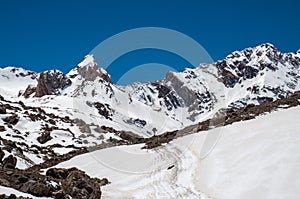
x=9, y=162
x=238, y=66
x=2, y=154
x=45, y=137
x=2, y=109
x=58, y=183
x=2, y=128
x=76, y=183
x=50, y=82
x=14, y=119
x=79, y=185
x=58, y=173
x=104, y=110
x=29, y=91
x=37, y=188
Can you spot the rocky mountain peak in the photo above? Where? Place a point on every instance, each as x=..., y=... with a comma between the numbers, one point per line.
x=246, y=64
x=89, y=69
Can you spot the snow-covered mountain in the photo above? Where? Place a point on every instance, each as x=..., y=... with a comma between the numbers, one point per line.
x=254, y=75
x=75, y=109
x=50, y=117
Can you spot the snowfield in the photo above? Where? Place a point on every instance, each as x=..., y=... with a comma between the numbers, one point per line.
x=252, y=159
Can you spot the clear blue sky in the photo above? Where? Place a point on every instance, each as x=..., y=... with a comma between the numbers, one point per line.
x=41, y=35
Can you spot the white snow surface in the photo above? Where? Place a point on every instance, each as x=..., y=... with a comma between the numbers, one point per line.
x=13, y=80
x=251, y=159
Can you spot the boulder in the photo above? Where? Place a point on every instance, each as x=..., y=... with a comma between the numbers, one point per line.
x=45, y=137
x=2, y=109
x=2, y=128
x=13, y=120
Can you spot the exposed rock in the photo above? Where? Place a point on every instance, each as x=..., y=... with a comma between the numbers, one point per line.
x=19, y=72
x=104, y=110
x=79, y=122
x=60, y=195
x=156, y=141
x=80, y=185
x=103, y=181
x=89, y=70
x=238, y=66
x=51, y=121
x=13, y=120
x=85, y=128
x=9, y=172
x=50, y=82
x=2, y=154
x=106, y=77
x=168, y=96
x=45, y=137
x=2, y=109
x=4, y=182
x=2, y=128
x=12, y=196
x=58, y=173
x=29, y=91
x=9, y=162
x=138, y=122
x=36, y=188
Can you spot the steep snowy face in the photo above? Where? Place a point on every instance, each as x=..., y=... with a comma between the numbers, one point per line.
x=183, y=93
x=13, y=81
x=192, y=90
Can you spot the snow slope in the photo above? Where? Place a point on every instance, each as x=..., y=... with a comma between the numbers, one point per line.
x=252, y=159
x=13, y=80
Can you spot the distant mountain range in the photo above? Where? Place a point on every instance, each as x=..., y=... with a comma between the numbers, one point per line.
x=254, y=75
